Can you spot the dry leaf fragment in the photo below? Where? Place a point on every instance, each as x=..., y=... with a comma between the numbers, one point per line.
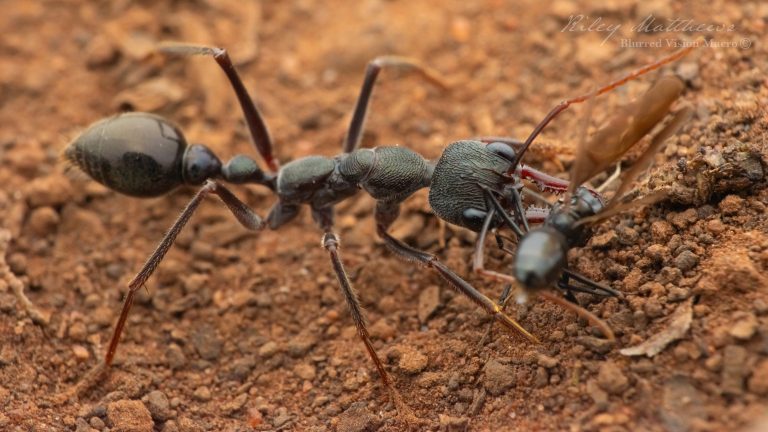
x=679, y=324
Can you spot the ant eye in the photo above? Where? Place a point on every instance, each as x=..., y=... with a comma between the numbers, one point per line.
x=503, y=149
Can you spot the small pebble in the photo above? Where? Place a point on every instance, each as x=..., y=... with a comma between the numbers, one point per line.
x=158, y=405
x=268, y=350
x=300, y=344
x=305, y=371
x=202, y=393
x=611, y=379
x=744, y=328
x=429, y=300
x=594, y=344
x=686, y=260
x=358, y=418
x=207, y=342
x=43, y=221
x=129, y=416
x=758, y=383
x=734, y=370
x=498, y=377
x=412, y=361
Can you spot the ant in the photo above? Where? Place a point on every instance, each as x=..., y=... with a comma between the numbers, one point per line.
x=540, y=260
x=472, y=189
x=141, y=154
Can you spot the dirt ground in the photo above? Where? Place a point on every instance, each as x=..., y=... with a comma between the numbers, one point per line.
x=249, y=332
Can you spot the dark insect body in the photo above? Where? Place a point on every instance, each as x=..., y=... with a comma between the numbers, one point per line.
x=141, y=154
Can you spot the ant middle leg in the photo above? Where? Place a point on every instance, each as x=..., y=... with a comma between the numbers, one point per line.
x=324, y=218
x=355, y=130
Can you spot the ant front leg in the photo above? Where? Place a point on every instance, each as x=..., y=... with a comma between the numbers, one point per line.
x=386, y=213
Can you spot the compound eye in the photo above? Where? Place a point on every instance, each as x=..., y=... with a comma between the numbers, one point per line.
x=474, y=218
x=503, y=149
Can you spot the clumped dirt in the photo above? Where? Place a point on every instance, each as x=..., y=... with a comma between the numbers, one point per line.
x=249, y=332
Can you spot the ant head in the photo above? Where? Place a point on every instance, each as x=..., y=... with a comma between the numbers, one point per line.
x=199, y=164
x=539, y=261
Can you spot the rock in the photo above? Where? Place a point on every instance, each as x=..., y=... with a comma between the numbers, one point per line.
x=175, y=357
x=100, y=52
x=731, y=204
x=683, y=219
x=453, y=424
x=744, y=328
x=627, y=235
x=81, y=352
x=158, y=406
x=412, y=361
x=594, y=344
x=300, y=344
x=241, y=368
x=235, y=405
x=357, y=418
x=305, y=371
x=682, y=405
x=206, y=342
x=611, y=379
x=429, y=301
x=43, y=221
x=604, y=240
x=546, y=361
x=53, y=191
x=656, y=252
x=268, y=350
x=686, y=260
x=661, y=231
x=688, y=71
x=678, y=294
x=129, y=416
x=382, y=330
x=758, y=383
x=498, y=377
x=734, y=370
x=598, y=395
x=202, y=393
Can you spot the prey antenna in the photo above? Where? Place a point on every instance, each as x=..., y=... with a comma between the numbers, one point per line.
x=562, y=106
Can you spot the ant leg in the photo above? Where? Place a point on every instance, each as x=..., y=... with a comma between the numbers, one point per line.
x=253, y=117
x=324, y=217
x=562, y=106
x=386, y=213
x=331, y=244
x=506, y=294
x=244, y=215
x=478, y=265
x=355, y=131
x=591, y=287
x=580, y=311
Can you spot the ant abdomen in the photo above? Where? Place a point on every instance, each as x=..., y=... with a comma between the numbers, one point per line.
x=141, y=155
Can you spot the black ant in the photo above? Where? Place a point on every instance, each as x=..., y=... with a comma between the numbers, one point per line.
x=471, y=189
x=141, y=154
